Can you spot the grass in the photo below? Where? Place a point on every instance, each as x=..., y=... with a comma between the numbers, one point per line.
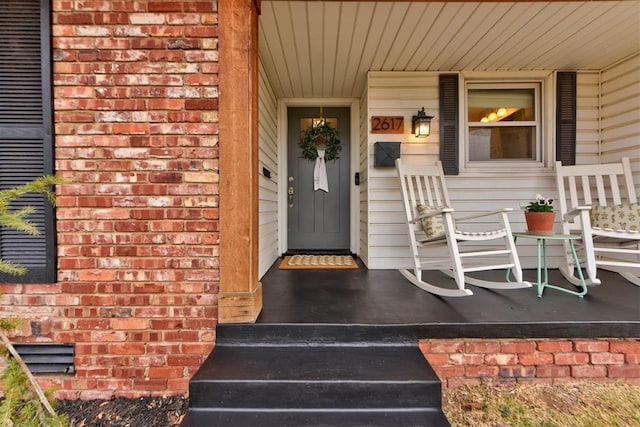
x=579, y=405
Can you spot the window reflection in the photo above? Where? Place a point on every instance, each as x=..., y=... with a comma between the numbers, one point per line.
x=502, y=123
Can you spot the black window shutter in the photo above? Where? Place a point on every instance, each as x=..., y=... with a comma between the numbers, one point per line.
x=566, y=117
x=449, y=143
x=26, y=131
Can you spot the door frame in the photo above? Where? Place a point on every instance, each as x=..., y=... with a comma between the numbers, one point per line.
x=354, y=191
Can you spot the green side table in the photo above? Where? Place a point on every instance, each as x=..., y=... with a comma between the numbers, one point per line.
x=542, y=260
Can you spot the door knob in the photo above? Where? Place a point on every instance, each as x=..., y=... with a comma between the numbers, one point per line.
x=290, y=192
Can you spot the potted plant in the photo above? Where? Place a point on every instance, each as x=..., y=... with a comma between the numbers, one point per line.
x=539, y=215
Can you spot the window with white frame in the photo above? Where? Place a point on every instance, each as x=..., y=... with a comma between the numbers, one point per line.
x=503, y=122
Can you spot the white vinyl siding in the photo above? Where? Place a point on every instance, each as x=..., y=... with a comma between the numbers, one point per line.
x=396, y=94
x=621, y=114
x=587, y=119
x=402, y=94
x=268, y=187
x=363, y=168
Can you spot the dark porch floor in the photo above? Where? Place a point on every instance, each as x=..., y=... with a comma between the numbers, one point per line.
x=339, y=347
x=385, y=298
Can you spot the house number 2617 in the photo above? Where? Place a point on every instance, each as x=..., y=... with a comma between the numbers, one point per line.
x=387, y=124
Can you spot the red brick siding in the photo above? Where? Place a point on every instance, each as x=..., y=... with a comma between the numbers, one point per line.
x=509, y=361
x=135, y=100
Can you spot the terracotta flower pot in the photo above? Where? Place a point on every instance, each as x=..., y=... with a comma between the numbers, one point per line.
x=540, y=222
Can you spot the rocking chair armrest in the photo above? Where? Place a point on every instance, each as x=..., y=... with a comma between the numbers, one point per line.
x=568, y=217
x=430, y=214
x=482, y=214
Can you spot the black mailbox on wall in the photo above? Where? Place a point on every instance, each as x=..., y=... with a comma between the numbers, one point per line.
x=385, y=153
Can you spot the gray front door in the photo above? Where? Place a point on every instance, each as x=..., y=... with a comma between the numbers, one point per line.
x=317, y=219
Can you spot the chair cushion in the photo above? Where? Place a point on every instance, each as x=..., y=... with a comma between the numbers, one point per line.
x=434, y=225
x=618, y=217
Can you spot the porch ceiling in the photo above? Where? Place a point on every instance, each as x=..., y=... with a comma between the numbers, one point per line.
x=325, y=48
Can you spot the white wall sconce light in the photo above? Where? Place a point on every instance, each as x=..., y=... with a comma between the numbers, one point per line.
x=421, y=124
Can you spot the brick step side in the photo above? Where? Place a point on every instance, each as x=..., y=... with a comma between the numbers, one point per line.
x=464, y=361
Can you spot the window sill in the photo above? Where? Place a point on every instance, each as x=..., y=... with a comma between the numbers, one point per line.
x=498, y=168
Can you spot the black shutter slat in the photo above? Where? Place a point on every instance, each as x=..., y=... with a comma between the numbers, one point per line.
x=566, y=92
x=22, y=161
x=449, y=123
x=26, y=131
x=20, y=63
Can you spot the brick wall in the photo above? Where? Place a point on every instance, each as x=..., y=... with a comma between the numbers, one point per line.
x=553, y=361
x=135, y=93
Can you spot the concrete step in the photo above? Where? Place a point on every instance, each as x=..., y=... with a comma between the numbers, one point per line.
x=316, y=334
x=315, y=418
x=314, y=375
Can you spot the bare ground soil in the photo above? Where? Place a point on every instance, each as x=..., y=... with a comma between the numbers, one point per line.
x=122, y=412
x=584, y=405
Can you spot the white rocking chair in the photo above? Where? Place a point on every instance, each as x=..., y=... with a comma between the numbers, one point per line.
x=591, y=201
x=431, y=223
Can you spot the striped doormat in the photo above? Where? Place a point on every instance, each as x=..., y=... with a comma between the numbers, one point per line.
x=301, y=262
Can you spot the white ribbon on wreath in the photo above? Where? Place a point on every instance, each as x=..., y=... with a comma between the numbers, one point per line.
x=320, y=181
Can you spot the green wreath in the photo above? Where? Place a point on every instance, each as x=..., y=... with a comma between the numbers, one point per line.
x=320, y=134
